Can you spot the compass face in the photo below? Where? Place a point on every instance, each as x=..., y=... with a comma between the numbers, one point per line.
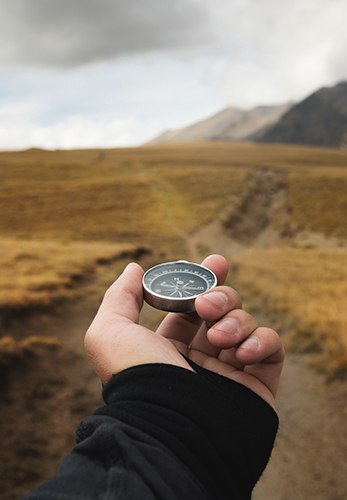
x=174, y=286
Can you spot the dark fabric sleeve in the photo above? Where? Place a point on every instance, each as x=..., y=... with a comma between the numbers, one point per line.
x=167, y=433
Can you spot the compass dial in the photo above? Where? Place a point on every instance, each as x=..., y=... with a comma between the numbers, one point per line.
x=174, y=286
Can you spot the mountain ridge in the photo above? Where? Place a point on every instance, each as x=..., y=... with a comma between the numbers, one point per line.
x=229, y=124
x=318, y=120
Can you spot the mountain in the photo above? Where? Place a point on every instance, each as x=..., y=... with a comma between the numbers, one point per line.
x=230, y=124
x=319, y=120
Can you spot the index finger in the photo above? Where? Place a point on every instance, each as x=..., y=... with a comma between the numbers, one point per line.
x=182, y=327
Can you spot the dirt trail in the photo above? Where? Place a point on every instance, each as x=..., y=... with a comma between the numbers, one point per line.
x=309, y=460
x=49, y=392
x=43, y=397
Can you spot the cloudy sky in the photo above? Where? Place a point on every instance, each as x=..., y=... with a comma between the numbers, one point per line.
x=109, y=73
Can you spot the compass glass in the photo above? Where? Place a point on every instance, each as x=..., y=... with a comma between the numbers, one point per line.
x=179, y=285
x=173, y=283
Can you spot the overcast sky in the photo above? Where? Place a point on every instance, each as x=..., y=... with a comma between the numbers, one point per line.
x=109, y=73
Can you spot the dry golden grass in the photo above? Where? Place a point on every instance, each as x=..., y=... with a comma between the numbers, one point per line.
x=62, y=211
x=148, y=194
x=12, y=350
x=36, y=273
x=137, y=195
x=306, y=292
x=318, y=200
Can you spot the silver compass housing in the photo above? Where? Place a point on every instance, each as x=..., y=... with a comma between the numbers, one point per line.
x=174, y=286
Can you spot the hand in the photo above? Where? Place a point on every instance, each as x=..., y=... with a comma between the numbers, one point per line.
x=219, y=336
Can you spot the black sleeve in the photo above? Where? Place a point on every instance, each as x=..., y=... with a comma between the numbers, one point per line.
x=167, y=433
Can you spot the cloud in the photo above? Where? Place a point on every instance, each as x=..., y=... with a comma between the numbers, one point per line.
x=117, y=72
x=281, y=51
x=267, y=34
x=72, y=32
x=18, y=130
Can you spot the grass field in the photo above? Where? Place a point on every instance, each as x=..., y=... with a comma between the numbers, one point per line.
x=36, y=273
x=61, y=212
x=121, y=195
x=304, y=291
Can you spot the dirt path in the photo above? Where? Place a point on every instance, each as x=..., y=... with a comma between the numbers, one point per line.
x=43, y=397
x=309, y=460
x=47, y=392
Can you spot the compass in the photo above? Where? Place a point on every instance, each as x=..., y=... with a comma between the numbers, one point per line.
x=174, y=286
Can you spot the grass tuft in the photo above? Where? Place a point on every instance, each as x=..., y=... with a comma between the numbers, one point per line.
x=63, y=213
x=306, y=291
x=12, y=350
x=37, y=273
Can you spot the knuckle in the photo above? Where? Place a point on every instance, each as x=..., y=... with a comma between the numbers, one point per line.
x=235, y=298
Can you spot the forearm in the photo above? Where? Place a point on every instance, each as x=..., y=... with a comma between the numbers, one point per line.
x=168, y=433
x=219, y=429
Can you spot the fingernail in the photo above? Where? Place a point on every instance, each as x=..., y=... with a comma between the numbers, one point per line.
x=228, y=325
x=219, y=299
x=252, y=344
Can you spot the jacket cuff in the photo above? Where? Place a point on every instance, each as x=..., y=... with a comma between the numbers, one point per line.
x=220, y=429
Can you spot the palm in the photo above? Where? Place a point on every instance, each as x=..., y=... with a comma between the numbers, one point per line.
x=115, y=341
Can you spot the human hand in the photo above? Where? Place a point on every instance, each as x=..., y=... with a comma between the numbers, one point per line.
x=219, y=336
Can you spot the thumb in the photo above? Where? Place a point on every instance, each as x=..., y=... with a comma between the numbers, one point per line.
x=120, y=308
x=125, y=297
x=115, y=341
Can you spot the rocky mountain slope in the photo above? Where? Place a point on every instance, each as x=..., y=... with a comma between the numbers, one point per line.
x=320, y=120
x=230, y=124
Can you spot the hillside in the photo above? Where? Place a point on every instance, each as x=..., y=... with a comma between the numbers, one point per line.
x=231, y=124
x=319, y=120
x=65, y=213
x=72, y=220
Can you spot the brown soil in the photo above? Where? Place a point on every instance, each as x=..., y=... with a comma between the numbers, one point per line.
x=45, y=393
x=309, y=460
